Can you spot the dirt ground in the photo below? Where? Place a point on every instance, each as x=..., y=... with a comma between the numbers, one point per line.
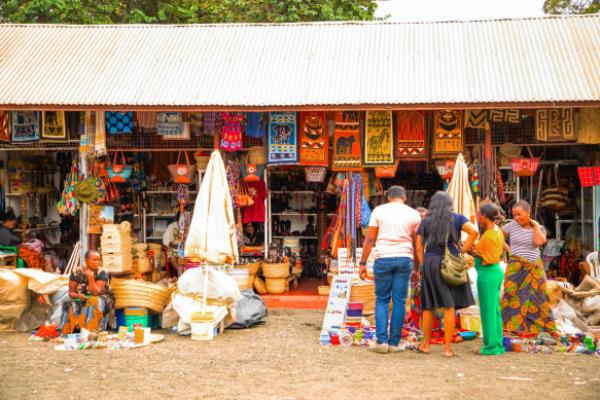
x=283, y=360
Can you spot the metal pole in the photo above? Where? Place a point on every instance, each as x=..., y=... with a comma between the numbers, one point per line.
x=83, y=214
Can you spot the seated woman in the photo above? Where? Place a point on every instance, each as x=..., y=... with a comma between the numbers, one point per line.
x=91, y=300
x=252, y=237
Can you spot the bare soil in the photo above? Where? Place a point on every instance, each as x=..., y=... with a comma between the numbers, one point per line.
x=283, y=360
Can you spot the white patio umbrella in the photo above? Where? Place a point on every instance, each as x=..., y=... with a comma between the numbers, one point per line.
x=460, y=190
x=212, y=236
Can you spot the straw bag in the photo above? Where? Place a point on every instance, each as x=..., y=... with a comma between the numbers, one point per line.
x=201, y=161
x=386, y=172
x=182, y=173
x=119, y=173
x=276, y=270
x=252, y=172
x=315, y=174
x=523, y=166
x=243, y=198
x=554, y=197
x=276, y=285
x=259, y=286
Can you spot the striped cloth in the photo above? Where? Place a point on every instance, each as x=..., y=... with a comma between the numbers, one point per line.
x=521, y=241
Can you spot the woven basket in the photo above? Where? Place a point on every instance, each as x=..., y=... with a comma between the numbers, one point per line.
x=253, y=268
x=366, y=295
x=276, y=286
x=259, y=286
x=324, y=290
x=201, y=161
x=554, y=292
x=250, y=283
x=132, y=293
x=276, y=270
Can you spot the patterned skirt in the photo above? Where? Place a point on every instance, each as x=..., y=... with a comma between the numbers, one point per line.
x=525, y=306
x=90, y=314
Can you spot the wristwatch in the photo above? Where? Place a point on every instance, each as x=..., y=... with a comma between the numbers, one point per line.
x=362, y=263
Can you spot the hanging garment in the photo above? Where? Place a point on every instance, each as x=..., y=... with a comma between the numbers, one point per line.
x=169, y=125
x=53, y=126
x=378, y=142
x=119, y=123
x=4, y=126
x=589, y=126
x=197, y=123
x=25, y=126
x=476, y=119
x=411, y=135
x=346, y=142
x=146, y=119
x=283, y=146
x=555, y=125
x=448, y=133
x=210, y=123
x=231, y=135
x=255, y=126
x=75, y=123
x=256, y=212
x=314, y=139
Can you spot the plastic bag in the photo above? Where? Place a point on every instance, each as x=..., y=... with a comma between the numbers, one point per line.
x=220, y=285
x=251, y=311
x=14, y=299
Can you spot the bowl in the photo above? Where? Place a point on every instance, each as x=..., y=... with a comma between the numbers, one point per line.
x=468, y=335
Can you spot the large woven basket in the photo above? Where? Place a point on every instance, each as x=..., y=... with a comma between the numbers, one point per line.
x=132, y=293
x=365, y=294
x=276, y=270
x=277, y=285
x=252, y=267
x=259, y=286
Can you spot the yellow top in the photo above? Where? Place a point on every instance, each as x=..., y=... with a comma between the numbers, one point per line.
x=490, y=246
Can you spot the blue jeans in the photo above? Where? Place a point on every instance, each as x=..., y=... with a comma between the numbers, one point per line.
x=391, y=282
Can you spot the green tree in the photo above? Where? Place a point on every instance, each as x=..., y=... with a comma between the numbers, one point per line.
x=571, y=6
x=182, y=11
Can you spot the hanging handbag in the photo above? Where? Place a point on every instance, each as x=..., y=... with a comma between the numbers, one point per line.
x=119, y=173
x=243, y=198
x=386, y=172
x=182, y=173
x=454, y=268
x=315, y=174
x=252, y=172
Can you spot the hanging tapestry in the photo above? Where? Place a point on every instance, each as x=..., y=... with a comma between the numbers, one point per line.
x=411, y=135
x=554, y=125
x=169, y=125
x=346, y=142
x=589, y=126
x=73, y=122
x=255, y=126
x=4, y=126
x=119, y=123
x=476, y=119
x=283, y=137
x=378, y=139
x=210, y=123
x=197, y=123
x=314, y=139
x=231, y=135
x=53, y=126
x=25, y=126
x=146, y=120
x=511, y=116
x=448, y=133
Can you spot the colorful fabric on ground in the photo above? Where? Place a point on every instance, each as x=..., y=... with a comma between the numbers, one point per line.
x=314, y=139
x=283, y=138
x=378, y=139
x=477, y=119
x=53, y=126
x=169, y=124
x=525, y=306
x=346, y=142
x=411, y=135
x=4, y=126
x=511, y=116
x=119, y=123
x=555, y=125
x=231, y=135
x=589, y=125
x=25, y=126
x=448, y=133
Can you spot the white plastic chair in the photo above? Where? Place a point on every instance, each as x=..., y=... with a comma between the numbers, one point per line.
x=592, y=260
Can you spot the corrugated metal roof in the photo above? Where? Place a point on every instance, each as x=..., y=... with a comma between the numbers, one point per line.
x=517, y=61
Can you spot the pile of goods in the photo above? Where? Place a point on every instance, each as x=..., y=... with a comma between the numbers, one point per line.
x=116, y=247
x=276, y=269
x=123, y=340
x=576, y=309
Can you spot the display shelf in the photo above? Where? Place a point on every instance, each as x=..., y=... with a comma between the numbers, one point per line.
x=41, y=228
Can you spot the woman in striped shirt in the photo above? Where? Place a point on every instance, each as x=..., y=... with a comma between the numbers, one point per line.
x=525, y=306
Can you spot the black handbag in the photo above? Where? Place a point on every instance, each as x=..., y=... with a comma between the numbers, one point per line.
x=454, y=268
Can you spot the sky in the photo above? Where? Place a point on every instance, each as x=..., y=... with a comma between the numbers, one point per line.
x=444, y=10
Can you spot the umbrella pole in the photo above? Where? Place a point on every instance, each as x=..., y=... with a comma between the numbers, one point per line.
x=204, y=290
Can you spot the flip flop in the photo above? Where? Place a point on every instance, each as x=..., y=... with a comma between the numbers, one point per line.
x=419, y=350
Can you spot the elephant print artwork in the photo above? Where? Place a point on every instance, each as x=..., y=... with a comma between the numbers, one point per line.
x=314, y=139
x=448, y=133
x=346, y=142
x=283, y=146
x=379, y=139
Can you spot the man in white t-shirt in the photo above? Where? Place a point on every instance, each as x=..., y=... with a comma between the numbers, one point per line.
x=392, y=229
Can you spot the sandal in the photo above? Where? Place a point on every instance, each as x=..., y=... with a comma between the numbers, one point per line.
x=420, y=350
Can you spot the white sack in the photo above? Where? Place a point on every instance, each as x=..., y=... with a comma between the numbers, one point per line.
x=14, y=298
x=221, y=286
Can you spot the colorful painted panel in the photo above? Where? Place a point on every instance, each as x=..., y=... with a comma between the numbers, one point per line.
x=555, y=125
x=379, y=139
x=448, y=133
x=119, y=123
x=283, y=135
x=411, y=143
x=53, y=126
x=25, y=126
x=346, y=142
x=314, y=139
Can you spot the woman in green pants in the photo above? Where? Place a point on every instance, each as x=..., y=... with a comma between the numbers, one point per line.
x=488, y=252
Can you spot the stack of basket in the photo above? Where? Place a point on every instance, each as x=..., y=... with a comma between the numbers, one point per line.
x=276, y=276
x=132, y=293
x=364, y=293
x=140, y=258
x=115, y=243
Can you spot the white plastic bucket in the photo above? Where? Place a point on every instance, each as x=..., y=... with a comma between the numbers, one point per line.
x=202, y=326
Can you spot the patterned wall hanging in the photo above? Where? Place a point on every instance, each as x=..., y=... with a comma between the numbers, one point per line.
x=346, y=142
x=146, y=120
x=25, y=126
x=378, y=139
x=411, y=135
x=169, y=124
x=511, y=116
x=554, y=125
x=314, y=139
x=119, y=123
x=232, y=131
x=283, y=146
x=448, y=133
x=589, y=125
x=4, y=126
x=255, y=125
x=476, y=119
x=53, y=126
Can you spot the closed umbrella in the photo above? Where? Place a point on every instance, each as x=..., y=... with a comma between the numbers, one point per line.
x=460, y=190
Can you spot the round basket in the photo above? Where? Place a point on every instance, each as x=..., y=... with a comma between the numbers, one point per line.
x=259, y=286
x=201, y=161
x=140, y=247
x=276, y=270
x=276, y=286
x=252, y=267
x=364, y=294
x=143, y=265
x=132, y=293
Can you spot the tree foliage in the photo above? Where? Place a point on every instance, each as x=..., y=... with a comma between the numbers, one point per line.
x=571, y=6
x=182, y=11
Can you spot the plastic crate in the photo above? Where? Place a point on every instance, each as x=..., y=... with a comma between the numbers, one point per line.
x=124, y=319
